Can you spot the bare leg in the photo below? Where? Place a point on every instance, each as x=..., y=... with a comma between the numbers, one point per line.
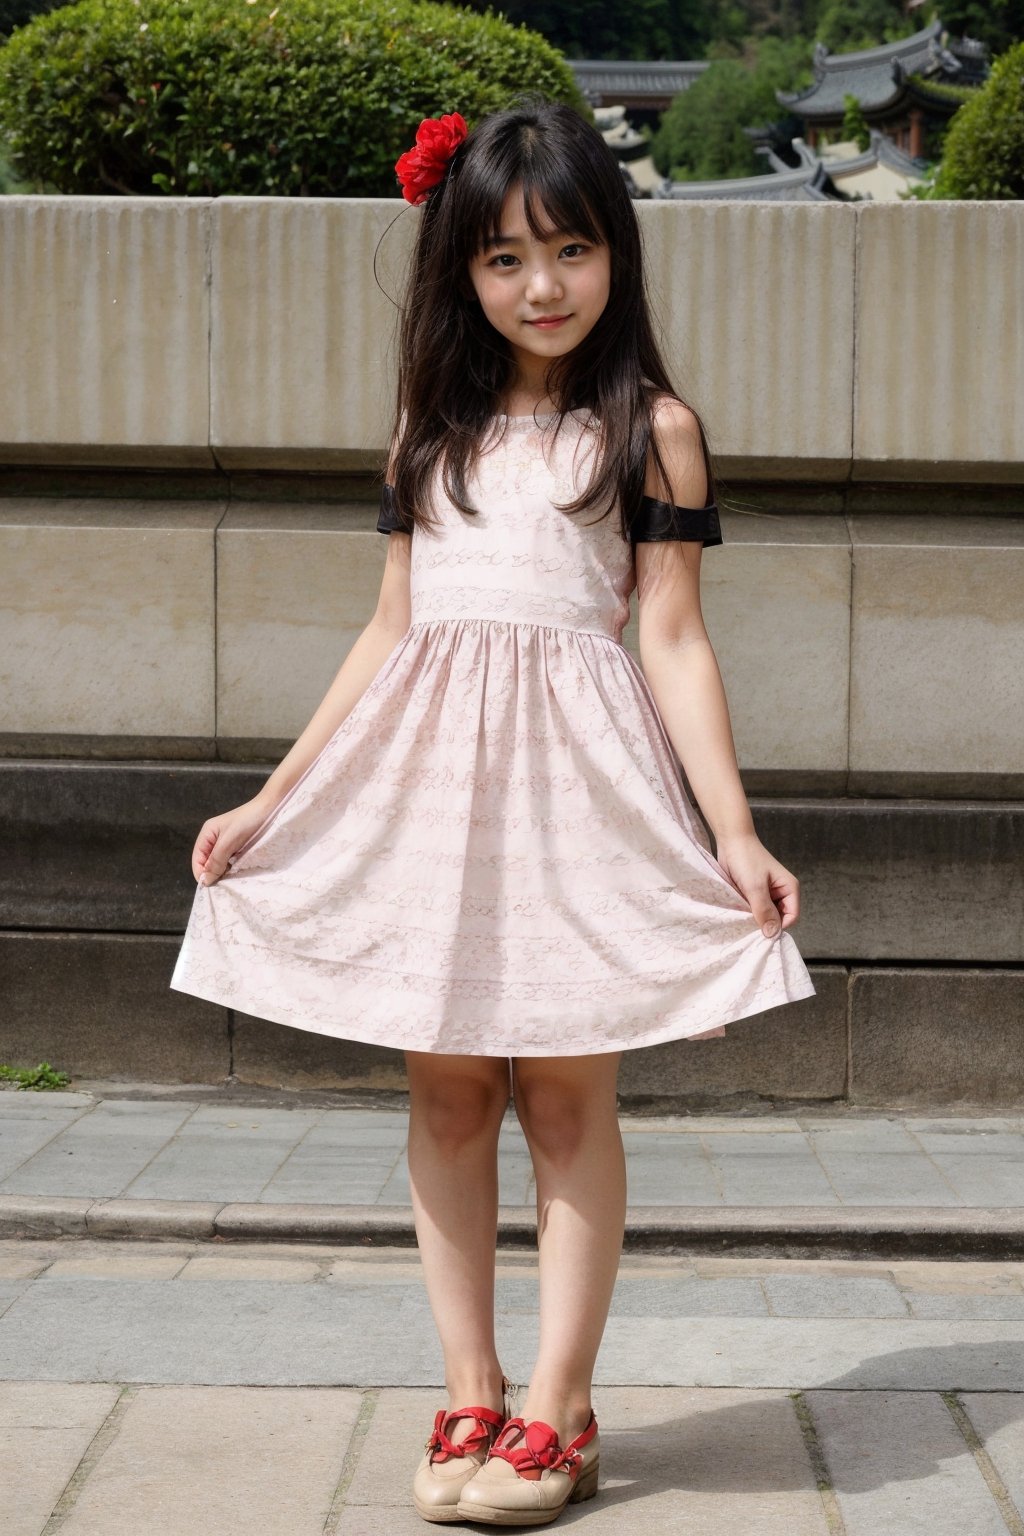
x=455, y=1114
x=567, y=1107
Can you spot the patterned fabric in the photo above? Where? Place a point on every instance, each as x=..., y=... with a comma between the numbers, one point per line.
x=656, y=521
x=495, y=854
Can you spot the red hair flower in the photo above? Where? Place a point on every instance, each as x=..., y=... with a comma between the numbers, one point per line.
x=421, y=168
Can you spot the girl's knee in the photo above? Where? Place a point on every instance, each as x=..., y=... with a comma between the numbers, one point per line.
x=455, y=1106
x=559, y=1110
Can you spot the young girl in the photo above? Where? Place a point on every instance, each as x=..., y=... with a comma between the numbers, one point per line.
x=481, y=849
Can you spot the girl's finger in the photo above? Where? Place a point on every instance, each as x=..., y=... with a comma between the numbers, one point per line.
x=758, y=896
x=786, y=894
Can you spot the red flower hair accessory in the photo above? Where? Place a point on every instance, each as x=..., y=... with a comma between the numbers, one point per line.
x=421, y=168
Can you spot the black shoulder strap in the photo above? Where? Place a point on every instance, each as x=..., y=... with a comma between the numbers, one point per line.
x=388, y=520
x=658, y=521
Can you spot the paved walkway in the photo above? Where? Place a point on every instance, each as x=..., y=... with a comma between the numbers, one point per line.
x=144, y=1163
x=176, y=1385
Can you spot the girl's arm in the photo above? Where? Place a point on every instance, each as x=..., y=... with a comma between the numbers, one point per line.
x=220, y=836
x=377, y=640
x=682, y=671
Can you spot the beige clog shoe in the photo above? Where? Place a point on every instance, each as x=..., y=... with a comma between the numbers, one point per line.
x=446, y=1467
x=528, y=1479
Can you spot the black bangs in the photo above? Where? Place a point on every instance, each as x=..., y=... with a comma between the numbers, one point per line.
x=555, y=170
x=557, y=194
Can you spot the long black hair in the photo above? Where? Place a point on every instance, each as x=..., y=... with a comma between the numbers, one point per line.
x=454, y=367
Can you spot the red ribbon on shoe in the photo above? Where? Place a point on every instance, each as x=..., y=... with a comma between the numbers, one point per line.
x=539, y=1449
x=442, y=1447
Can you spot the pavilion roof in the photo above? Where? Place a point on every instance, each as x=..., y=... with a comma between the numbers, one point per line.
x=634, y=80
x=875, y=76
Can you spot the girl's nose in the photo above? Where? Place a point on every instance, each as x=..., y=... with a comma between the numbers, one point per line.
x=543, y=285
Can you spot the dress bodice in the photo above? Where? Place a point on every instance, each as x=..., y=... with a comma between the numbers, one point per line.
x=519, y=559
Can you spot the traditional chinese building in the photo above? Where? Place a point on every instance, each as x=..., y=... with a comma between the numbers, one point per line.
x=907, y=88
x=644, y=89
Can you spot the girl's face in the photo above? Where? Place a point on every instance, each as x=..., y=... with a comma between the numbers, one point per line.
x=543, y=295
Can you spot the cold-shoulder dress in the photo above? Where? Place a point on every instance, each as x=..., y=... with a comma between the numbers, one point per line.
x=495, y=853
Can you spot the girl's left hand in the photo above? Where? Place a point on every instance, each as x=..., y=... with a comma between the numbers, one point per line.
x=771, y=889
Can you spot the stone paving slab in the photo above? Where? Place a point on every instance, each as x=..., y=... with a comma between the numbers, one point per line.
x=203, y=1150
x=997, y=1418
x=899, y=1462
x=291, y=1388
x=46, y=1430
x=98, y=1311
x=172, y=1460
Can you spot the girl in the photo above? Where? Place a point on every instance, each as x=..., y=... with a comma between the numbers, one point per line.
x=481, y=849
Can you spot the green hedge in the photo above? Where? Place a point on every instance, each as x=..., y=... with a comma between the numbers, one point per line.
x=983, y=153
x=277, y=97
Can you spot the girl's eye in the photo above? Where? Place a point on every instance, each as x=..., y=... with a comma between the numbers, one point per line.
x=502, y=258
x=577, y=248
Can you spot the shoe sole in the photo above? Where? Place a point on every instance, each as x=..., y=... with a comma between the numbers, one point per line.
x=438, y=1516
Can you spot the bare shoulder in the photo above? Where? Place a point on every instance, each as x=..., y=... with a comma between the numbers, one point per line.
x=676, y=434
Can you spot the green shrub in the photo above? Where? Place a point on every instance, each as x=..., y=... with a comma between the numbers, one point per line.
x=281, y=97
x=701, y=135
x=983, y=152
x=855, y=127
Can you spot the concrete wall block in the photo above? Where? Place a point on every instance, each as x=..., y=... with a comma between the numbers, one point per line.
x=301, y=361
x=107, y=847
x=101, y=1005
x=794, y=1051
x=927, y=1036
x=755, y=301
x=293, y=595
x=888, y=880
x=940, y=313
x=107, y=616
x=937, y=680
x=274, y=1055
x=776, y=603
x=251, y=331
x=104, y=330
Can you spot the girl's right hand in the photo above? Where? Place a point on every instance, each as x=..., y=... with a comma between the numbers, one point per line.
x=221, y=836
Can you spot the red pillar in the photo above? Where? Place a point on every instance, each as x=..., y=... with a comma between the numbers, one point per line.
x=916, y=131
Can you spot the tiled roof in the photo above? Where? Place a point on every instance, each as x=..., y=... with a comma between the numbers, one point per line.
x=874, y=75
x=614, y=78
x=805, y=184
x=813, y=180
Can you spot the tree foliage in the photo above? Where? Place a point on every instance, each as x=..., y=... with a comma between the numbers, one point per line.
x=701, y=136
x=282, y=97
x=983, y=154
x=607, y=29
x=855, y=125
x=847, y=25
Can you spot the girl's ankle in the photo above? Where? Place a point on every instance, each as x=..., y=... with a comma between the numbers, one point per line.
x=475, y=1391
x=569, y=1417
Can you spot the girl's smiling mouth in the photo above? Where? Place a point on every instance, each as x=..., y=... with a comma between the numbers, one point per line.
x=548, y=321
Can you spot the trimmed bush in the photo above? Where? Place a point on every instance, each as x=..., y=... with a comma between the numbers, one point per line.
x=277, y=97
x=983, y=153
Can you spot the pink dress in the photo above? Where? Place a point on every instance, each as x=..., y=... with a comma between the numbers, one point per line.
x=495, y=854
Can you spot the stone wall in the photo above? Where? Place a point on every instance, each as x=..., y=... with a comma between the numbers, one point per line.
x=194, y=401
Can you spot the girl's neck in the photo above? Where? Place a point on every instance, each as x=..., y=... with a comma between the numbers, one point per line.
x=527, y=393
x=520, y=402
